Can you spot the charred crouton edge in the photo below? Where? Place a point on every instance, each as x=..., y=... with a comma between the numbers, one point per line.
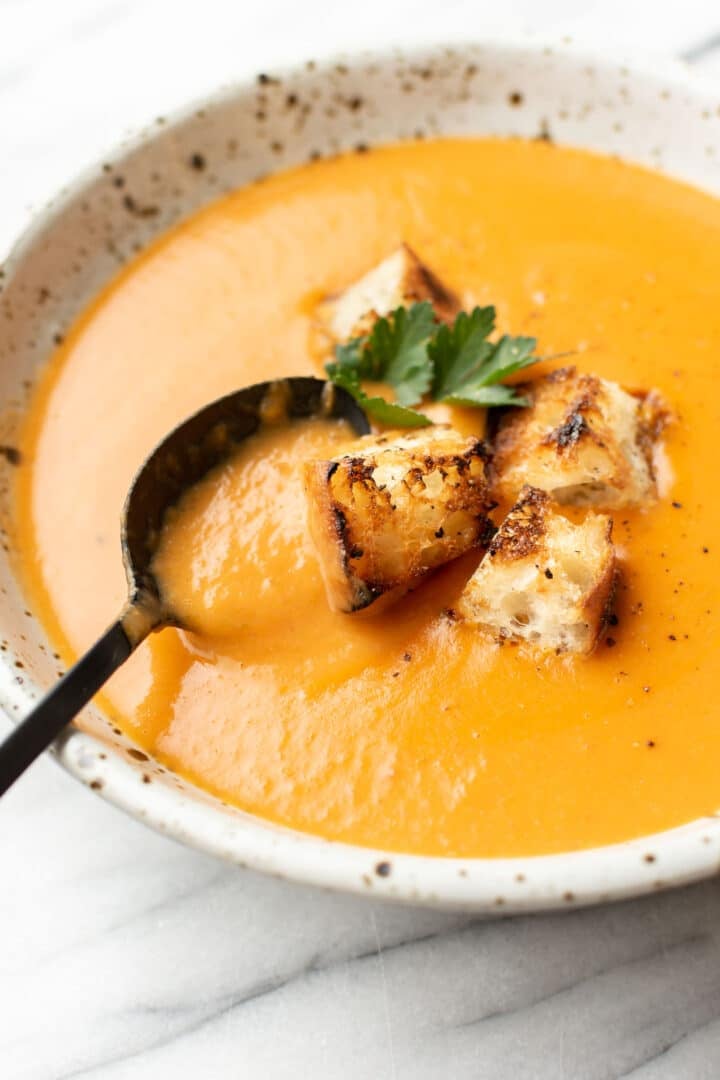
x=583, y=439
x=392, y=509
x=543, y=579
x=399, y=280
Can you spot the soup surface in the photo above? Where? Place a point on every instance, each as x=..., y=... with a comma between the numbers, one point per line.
x=404, y=731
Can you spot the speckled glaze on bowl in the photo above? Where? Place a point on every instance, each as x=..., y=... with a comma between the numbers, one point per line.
x=653, y=114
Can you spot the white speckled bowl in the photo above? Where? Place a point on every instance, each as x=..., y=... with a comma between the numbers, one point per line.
x=653, y=114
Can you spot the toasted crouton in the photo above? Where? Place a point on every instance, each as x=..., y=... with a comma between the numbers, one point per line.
x=584, y=440
x=394, y=508
x=399, y=280
x=543, y=579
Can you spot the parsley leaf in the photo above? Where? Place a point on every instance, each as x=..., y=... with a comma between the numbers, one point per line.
x=395, y=351
x=509, y=355
x=458, y=351
x=487, y=397
x=468, y=367
x=398, y=348
x=410, y=351
x=349, y=357
x=384, y=411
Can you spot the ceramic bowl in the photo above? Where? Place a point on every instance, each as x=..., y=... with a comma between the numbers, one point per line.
x=655, y=115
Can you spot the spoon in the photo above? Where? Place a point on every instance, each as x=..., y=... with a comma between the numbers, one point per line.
x=180, y=461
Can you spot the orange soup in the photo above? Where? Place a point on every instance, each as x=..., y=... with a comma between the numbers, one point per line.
x=404, y=730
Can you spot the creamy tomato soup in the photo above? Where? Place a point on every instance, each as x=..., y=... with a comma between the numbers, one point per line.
x=404, y=730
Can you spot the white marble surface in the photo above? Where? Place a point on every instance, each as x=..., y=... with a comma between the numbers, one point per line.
x=128, y=957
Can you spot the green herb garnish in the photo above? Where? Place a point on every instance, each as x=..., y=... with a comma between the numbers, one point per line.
x=384, y=411
x=415, y=355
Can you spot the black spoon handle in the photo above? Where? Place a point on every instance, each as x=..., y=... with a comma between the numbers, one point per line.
x=63, y=703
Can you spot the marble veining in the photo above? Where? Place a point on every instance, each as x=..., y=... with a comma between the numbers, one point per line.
x=128, y=957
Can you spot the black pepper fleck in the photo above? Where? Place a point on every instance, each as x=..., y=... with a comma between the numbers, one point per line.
x=11, y=454
x=544, y=134
x=383, y=869
x=197, y=162
x=133, y=207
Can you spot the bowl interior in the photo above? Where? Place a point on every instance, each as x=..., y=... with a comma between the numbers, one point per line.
x=656, y=118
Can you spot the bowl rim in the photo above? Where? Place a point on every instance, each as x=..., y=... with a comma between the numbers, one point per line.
x=578, y=877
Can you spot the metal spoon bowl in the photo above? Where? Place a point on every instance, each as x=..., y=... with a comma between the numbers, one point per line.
x=180, y=461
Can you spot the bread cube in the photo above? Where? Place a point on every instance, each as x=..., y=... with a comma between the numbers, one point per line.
x=584, y=440
x=399, y=280
x=394, y=508
x=543, y=579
